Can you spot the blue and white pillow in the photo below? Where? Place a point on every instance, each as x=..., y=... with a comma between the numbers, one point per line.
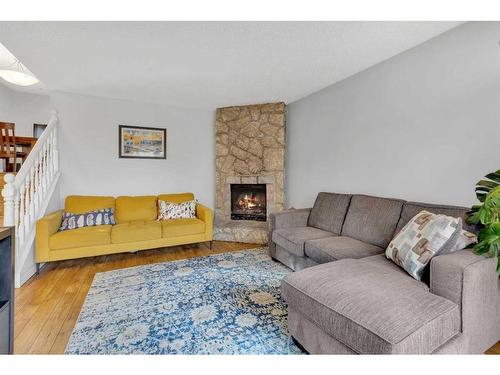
x=105, y=216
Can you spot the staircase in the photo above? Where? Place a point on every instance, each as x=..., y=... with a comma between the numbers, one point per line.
x=27, y=193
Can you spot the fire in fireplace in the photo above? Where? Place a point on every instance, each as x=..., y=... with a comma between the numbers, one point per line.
x=248, y=202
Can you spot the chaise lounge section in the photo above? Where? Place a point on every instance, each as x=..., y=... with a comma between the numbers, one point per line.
x=347, y=298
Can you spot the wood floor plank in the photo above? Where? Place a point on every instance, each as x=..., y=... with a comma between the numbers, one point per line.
x=39, y=315
x=59, y=314
x=48, y=305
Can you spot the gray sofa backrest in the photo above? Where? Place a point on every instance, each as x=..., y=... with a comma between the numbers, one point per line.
x=329, y=211
x=410, y=209
x=372, y=219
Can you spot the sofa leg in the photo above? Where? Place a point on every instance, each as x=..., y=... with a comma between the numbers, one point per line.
x=210, y=245
x=37, y=265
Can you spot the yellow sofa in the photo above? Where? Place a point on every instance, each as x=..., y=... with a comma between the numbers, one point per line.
x=136, y=228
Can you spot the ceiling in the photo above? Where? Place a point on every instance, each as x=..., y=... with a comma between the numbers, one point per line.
x=206, y=64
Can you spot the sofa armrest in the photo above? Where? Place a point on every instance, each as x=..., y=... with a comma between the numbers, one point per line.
x=46, y=227
x=286, y=219
x=289, y=218
x=206, y=215
x=471, y=282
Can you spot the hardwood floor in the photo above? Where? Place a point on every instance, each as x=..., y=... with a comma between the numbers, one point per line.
x=48, y=305
x=495, y=349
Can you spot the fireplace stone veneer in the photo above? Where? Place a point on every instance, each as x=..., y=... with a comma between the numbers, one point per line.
x=250, y=149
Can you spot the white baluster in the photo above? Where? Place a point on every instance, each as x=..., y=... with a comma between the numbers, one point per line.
x=27, y=200
x=43, y=179
x=8, y=194
x=55, y=151
x=36, y=182
x=16, y=215
x=50, y=145
x=32, y=197
x=46, y=168
x=20, y=226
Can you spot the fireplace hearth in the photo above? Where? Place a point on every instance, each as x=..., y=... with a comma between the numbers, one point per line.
x=248, y=202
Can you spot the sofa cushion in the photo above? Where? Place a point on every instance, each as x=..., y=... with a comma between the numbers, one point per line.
x=410, y=209
x=293, y=239
x=181, y=227
x=79, y=204
x=176, y=198
x=386, y=265
x=86, y=236
x=372, y=309
x=134, y=231
x=136, y=208
x=328, y=249
x=372, y=219
x=329, y=211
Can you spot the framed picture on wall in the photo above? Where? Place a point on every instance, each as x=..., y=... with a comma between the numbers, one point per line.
x=137, y=142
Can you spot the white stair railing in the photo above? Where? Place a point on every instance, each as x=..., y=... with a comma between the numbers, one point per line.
x=27, y=194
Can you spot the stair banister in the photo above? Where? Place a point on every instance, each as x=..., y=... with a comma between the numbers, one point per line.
x=27, y=194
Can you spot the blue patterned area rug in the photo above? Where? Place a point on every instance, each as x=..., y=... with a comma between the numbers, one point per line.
x=220, y=304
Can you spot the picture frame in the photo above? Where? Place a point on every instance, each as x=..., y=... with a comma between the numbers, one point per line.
x=139, y=142
x=38, y=130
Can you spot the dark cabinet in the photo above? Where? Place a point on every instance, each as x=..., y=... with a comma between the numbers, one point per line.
x=6, y=290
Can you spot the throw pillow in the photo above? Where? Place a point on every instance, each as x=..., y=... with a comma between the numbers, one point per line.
x=425, y=236
x=464, y=239
x=105, y=216
x=184, y=210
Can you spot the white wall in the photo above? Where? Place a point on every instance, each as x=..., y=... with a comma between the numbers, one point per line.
x=423, y=125
x=89, y=149
x=23, y=109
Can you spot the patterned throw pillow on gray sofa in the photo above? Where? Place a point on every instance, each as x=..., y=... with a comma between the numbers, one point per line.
x=105, y=216
x=465, y=239
x=184, y=210
x=425, y=236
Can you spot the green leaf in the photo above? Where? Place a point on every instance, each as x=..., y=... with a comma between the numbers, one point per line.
x=486, y=183
x=473, y=218
x=488, y=214
x=494, y=176
x=481, y=196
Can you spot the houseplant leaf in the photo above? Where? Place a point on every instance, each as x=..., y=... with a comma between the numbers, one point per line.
x=487, y=215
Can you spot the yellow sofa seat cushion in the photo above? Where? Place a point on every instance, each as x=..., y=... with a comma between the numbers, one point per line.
x=134, y=231
x=176, y=198
x=79, y=204
x=181, y=227
x=86, y=236
x=136, y=208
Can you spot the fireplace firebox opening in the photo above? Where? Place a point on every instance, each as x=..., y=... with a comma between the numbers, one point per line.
x=248, y=202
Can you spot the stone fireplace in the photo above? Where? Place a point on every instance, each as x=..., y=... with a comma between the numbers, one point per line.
x=250, y=158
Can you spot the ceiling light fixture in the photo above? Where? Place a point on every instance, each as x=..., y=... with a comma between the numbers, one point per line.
x=17, y=75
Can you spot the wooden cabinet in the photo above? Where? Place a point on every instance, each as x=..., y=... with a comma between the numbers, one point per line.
x=6, y=290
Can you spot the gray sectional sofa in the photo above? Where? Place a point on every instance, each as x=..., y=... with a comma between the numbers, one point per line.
x=347, y=298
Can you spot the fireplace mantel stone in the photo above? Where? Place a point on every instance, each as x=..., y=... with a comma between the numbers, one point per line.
x=250, y=149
